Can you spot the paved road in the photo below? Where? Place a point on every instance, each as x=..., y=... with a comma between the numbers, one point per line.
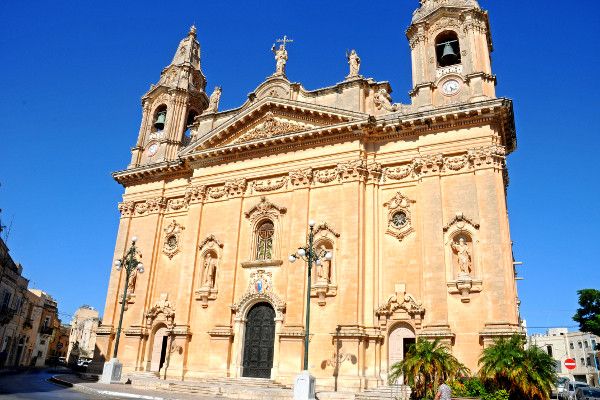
x=34, y=385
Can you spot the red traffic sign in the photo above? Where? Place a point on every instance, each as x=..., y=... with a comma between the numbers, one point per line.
x=570, y=363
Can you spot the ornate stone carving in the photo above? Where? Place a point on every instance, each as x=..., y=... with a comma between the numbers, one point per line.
x=326, y=175
x=398, y=173
x=429, y=6
x=213, y=103
x=383, y=101
x=487, y=156
x=456, y=163
x=268, y=128
x=324, y=230
x=126, y=208
x=351, y=170
x=264, y=209
x=156, y=204
x=260, y=288
x=176, y=204
x=217, y=192
x=465, y=285
x=195, y=194
x=354, y=64
x=269, y=185
x=399, y=216
x=460, y=221
x=172, y=239
x=430, y=164
x=400, y=303
x=236, y=187
x=162, y=307
x=301, y=177
x=374, y=171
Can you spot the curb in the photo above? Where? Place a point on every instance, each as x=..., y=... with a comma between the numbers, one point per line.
x=83, y=388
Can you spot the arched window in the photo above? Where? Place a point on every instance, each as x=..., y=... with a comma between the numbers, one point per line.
x=264, y=240
x=447, y=49
x=192, y=114
x=160, y=117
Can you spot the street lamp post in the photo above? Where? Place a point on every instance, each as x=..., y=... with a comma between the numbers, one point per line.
x=310, y=255
x=112, y=369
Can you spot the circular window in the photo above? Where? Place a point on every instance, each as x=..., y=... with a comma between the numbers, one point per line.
x=399, y=219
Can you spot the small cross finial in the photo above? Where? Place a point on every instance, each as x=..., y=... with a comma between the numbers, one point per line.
x=284, y=41
x=192, y=30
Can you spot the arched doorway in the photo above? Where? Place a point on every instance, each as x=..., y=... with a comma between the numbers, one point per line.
x=259, y=341
x=400, y=339
x=159, y=349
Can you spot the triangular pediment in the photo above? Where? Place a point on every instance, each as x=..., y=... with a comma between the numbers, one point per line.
x=269, y=118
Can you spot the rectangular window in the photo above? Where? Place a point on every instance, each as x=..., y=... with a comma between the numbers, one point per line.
x=593, y=344
x=580, y=345
x=571, y=345
x=588, y=361
x=549, y=350
x=586, y=344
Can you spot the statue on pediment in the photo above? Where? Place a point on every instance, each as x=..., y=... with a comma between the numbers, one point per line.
x=213, y=103
x=281, y=55
x=354, y=63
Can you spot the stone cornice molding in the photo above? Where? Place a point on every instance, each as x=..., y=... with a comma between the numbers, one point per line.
x=221, y=331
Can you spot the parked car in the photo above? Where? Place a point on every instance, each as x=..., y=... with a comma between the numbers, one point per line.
x=587, y=393
x=569, y=392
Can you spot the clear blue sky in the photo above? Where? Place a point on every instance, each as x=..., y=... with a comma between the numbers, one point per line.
x=73, y=74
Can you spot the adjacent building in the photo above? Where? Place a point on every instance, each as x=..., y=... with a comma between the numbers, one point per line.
x=13, y=303
x=409, y=198
x=581, y=347
x=28, y=317
x=82, y=338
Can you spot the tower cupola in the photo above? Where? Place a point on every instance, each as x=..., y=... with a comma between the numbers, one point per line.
x=451, y=44
x=171, y=105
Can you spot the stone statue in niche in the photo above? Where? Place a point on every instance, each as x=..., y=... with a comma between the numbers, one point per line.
x=463, y=254
x=210, y=270
x=324, y=269
x=354, y=63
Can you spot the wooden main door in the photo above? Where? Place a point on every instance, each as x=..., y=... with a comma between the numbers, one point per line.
x=258, y=342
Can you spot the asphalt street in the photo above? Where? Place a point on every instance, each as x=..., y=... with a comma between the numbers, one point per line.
x=33, y=384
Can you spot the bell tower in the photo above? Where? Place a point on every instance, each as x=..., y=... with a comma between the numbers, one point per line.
x=171, y=105
x=450, y=44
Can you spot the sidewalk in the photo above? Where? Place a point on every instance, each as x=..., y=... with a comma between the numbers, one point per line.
x=123, y=390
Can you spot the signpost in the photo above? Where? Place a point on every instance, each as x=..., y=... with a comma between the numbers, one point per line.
x=570, y=363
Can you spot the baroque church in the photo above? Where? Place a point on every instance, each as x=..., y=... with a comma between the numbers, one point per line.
x=410, y=199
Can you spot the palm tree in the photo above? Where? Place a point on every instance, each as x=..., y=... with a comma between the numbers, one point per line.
x=524, y=373
x=427, y=365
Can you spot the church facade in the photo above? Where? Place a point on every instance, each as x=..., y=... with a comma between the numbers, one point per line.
x=410, y=199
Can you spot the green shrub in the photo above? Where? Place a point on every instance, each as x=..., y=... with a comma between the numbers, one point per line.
x=497, y=395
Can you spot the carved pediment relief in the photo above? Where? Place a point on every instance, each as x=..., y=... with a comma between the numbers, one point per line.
x=270, y=117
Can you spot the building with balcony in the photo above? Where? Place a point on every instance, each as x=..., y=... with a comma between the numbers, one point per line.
x=561, y=345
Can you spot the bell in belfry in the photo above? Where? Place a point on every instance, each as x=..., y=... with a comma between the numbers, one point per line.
x=160, y=120
x=449, y=57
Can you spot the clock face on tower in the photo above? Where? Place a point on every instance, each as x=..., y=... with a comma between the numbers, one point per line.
x=152, y=149
x=450, y=87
